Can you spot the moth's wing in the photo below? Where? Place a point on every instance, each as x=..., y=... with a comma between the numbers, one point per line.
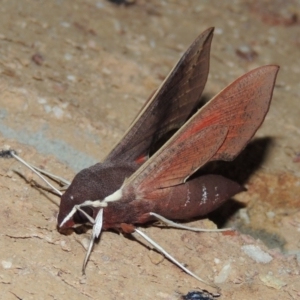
x=219, y=130
x=242, y=107
x=180, y=157
x=170, y=106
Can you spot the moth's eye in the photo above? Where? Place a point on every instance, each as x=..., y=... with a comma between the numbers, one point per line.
x=80, y=218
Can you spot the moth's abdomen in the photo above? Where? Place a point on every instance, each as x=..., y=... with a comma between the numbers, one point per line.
x=194, y=198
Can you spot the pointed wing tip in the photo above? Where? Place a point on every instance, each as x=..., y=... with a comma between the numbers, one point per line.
x=273, y=68
x=206, y=35
x=268, y=75
x=210, y=30
x=270, y=69
x=261, y=76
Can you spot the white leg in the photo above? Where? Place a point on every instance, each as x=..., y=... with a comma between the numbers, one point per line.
x=171, y=258
x=176, y=225
x=95, y=234
x=36, y=172
x=96, y=203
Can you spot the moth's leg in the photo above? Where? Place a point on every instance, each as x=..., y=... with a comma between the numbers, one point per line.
x=171, y=258
x=96, y=203
x=176, y=225
x=95, y=234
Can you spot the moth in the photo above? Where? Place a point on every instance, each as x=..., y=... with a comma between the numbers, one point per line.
x=147, y=175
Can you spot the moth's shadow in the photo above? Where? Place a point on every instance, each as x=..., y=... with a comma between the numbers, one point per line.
x=239, y=170
x=40, y=188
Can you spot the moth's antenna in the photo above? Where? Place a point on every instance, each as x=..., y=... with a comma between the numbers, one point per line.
x=14, y=155
x=52, y=176
x=171, y=258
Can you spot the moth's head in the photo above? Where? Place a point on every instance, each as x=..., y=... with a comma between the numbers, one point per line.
x=93, y=183
x=68, y=201
x=85, y=186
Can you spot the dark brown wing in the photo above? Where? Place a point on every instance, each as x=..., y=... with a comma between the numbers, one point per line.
x=229, y=120
x=171, y=104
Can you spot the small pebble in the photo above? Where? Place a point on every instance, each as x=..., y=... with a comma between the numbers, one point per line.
x=65, y=24
x=246, y=52
x=244, y=215
x=223, y=274
x=270, y=214
x=6, y=264
x=68, y=56
x=257, y=254
x=71, y=78
x=271, y=281
x=42, y=100
x=64, y=246
x=58, y=112
x=156, y=258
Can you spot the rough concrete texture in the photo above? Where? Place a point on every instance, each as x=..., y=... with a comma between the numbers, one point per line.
x=73, y=76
